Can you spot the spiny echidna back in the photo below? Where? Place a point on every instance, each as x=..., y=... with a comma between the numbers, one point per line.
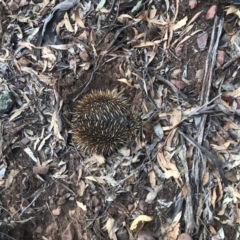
x=103, y=122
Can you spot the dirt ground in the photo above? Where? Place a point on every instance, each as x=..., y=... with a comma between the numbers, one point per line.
x=51, y=190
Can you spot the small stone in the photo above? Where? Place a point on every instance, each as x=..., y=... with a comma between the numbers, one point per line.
x=192, y=4
x=6, y=102
x=211, y=12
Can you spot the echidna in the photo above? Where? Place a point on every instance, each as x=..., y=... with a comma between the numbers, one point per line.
x=103, y=122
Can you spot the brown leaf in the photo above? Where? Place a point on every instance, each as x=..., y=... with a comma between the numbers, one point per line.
x=78, y=20
x=179, y=84
x=67, y=23
x=69, y=233
x=211, y=12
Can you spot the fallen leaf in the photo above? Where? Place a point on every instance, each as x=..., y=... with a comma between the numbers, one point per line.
x=101, y=4
x=10, y=178
x=180, y=23
x=152, y=178
x=78, y=20
x=139, y=221
x=81, y=205
x=67, y=23
x=96, y=179
x=234, y=192
x=29, y=152
x=109, y=226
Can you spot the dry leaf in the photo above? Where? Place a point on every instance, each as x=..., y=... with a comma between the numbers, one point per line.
x=10, y=178
x=180, y=23
x=236, y=93
x=173, y=232
x=139, y=221
x=124, y=80
x=78, y=20
x=81, y=186
x=67, y=23
x=96, y=179
x=109, y=226
x=152, y=178
x=234, y=192
x=237, y=213
x=81, y=205
x=26, y=44
x=214, y=197
x=29, y=152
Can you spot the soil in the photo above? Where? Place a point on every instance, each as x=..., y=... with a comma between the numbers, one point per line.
x=41, y=206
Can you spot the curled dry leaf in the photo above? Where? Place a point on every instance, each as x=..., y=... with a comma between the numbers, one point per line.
x=180, y=23
x=211, y=12
x=109, y=226
x=67, y=23
x=139, y=221
x=78, y=19
x=10, y=178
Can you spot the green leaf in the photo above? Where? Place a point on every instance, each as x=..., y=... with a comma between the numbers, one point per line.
x=101, y=4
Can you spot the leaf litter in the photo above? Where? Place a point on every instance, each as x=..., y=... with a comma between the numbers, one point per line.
x=177, y=63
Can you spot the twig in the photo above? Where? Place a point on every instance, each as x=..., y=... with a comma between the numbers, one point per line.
x=190, y=224
x=210, y=64
x=210, y=155
x=97, y=64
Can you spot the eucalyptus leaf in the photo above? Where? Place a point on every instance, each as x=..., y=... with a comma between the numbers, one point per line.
x=101, y=4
